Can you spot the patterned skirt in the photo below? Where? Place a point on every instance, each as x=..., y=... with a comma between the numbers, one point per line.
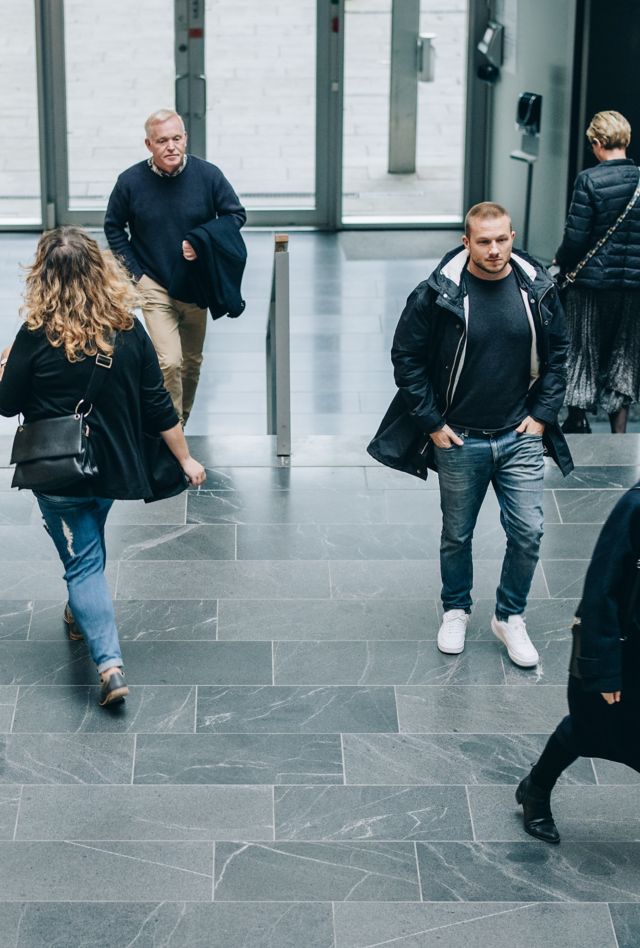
x=604, y=348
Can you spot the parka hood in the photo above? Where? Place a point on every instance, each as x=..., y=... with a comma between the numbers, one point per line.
x=447, y=277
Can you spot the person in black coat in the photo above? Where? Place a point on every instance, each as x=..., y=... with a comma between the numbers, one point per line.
x=78, y=322
x=603, y=302
x=604, y=678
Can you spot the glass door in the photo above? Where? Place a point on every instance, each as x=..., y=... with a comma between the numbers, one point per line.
x=20, y=202
x=119, y=68
x=263, y=89
x=260, y=62
x=427, y=186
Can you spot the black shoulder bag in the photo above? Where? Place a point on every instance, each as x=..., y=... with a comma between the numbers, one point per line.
x=56, y=453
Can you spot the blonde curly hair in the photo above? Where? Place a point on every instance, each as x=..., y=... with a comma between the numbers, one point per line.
x=77, y=293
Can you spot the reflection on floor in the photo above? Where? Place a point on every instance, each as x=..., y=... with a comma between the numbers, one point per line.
x=297, y=765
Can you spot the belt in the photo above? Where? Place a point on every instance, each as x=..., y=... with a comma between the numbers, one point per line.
x=481, y=432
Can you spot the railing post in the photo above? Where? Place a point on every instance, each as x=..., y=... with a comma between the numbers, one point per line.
x=277, y=350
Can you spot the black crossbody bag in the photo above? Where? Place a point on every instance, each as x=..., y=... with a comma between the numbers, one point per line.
x=56, y=453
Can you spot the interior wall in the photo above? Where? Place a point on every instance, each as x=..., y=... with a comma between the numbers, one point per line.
x=612, y=71
x=539, y=49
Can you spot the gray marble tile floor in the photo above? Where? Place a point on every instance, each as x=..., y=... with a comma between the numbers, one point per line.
x=297, y=766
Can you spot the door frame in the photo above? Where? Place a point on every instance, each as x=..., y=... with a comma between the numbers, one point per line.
x=327, y=212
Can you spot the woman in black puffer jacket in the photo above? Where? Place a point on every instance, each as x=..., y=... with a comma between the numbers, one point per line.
x=603, y=305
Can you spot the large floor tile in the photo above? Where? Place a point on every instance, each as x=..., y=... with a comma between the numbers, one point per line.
x=292, y=506
x=64, y=708
x=55, y=758
x=180, y=542
x=492, y=709
x=315, y=710
x=392, y=813
x=547, y=619
x=33, y=579
x=318, y=619
x=10, y=795
x=626, y=922
x=477, y=925
x=385, y=663
x=447, y=759
x=173, y=510
x=15, y=617
x=202, y=579
x=199, y=663
x=157, y=663
x=145, y=813
x=169, y=924
x=238, y=759
x=74, y=871
x=610, y=772
x=582, y=813
x=598, y=476
x=184, y=620
x=313, y=541
x=411, y=579
x=586, y=506
x=316, y=871
x=260, y=480
x=565, y=578
x=529, y=871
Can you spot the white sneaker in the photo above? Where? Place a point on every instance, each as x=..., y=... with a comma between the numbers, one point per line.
x=452, y=631
x=513, y=633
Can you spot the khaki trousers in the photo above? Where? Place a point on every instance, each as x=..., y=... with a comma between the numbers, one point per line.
x=177, y=331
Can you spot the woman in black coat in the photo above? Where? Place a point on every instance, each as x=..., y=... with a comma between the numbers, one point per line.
x=603, y=304
x=604, y=677
x=78, y=322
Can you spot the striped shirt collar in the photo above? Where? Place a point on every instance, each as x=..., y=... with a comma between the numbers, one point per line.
x=167, y=174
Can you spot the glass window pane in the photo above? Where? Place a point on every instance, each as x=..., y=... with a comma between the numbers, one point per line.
x=435, y=189
x=19, y=163
x=261, y=86
x=119, y=69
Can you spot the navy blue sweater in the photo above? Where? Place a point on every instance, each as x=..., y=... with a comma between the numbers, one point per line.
x=160, y=211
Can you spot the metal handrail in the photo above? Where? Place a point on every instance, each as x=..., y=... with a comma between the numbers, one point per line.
x=277, y=350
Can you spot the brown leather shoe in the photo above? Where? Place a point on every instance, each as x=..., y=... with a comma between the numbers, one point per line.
x=73, y=631
x=113, y=689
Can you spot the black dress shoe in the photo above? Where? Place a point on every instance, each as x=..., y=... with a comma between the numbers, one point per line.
x=74, y=633
x=536, y=809
x=113, y=689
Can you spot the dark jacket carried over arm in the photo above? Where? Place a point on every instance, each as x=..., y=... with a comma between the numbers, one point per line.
x=604, y=610
x=428, y=355
x=213, y=280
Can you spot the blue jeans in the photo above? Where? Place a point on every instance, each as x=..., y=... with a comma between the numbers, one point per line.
x=514, y=464
x=76, y=526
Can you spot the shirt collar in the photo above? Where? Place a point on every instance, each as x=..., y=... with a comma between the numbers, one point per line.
x=167, y=174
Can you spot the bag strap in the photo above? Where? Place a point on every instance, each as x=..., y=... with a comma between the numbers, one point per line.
x=96, y=381
x=571, y=277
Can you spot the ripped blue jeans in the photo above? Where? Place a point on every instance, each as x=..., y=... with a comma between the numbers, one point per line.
x=76, y=526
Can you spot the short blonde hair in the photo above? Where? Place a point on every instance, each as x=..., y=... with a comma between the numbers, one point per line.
x=483, y=211
x=611, y=129
x=162, y=115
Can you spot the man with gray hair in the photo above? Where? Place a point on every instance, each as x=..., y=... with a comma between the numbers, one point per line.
x=159, y=201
